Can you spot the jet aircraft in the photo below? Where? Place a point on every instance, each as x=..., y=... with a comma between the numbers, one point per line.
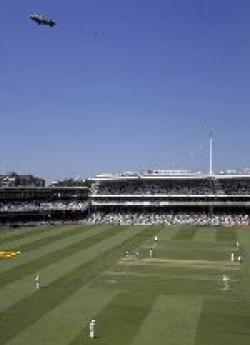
x=39, y=19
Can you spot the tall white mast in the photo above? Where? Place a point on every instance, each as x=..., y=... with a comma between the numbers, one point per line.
x=210, y=153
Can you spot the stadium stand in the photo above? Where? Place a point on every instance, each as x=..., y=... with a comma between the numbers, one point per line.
x=170, y=197
x=156, y=197
x=152, y=218
x=16, y=180
x=19, y=205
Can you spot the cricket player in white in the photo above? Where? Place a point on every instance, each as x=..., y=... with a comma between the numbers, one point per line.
x=156, y=238
x=150, y=253
x=92, y=329
x=37, y=281
x=232, y=257
x=225, y=280
x=237, y=244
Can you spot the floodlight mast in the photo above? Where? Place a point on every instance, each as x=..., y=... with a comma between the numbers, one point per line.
x=210, y=153
x=211, y=170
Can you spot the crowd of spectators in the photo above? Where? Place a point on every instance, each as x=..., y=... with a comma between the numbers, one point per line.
x=32, y=223
x=43, y=206
x=175, y=187
x=150, y=218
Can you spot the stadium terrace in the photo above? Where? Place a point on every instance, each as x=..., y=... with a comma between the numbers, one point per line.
x=164, y=195
x=150, y=197
x=36, y=205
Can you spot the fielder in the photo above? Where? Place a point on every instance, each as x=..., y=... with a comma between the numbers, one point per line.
x=226, y=281
x=150, y=253
x=37, y=281
x=156, y=238
x=232, y=257
x=92, y=329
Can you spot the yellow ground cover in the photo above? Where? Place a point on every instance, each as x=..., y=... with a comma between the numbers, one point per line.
x=5, y=254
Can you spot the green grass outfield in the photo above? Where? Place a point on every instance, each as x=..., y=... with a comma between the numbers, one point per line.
x=175, y=298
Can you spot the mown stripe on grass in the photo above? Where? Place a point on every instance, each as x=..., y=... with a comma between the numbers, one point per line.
x=185, y=234
x=224, y=234
x=9, y=233
x=205, y=234
x=167, y=233
x=224, y=323
x=244, y=240
x=120, y=319
x=53, y=236
x=21, y=315
x=47, y=232
x=26, y=257
x=23, y=234
x=68, y=319
x=17, y=273
x=172, y=320
x=12, y=293
x=44, y=238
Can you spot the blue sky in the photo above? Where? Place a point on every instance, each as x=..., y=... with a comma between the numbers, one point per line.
x=124, y=85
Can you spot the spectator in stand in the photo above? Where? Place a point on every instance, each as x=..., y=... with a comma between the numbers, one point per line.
x=146, y=218
x=41, y=206
x=167, y=187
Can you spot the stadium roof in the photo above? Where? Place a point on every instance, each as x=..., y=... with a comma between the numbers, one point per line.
x=171, y=174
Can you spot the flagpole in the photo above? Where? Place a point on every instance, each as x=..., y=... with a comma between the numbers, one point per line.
x=210, y=153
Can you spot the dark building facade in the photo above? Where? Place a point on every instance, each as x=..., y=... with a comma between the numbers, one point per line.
x=16, y=180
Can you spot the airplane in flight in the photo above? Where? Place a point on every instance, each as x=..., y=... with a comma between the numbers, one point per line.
x=42, y=20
